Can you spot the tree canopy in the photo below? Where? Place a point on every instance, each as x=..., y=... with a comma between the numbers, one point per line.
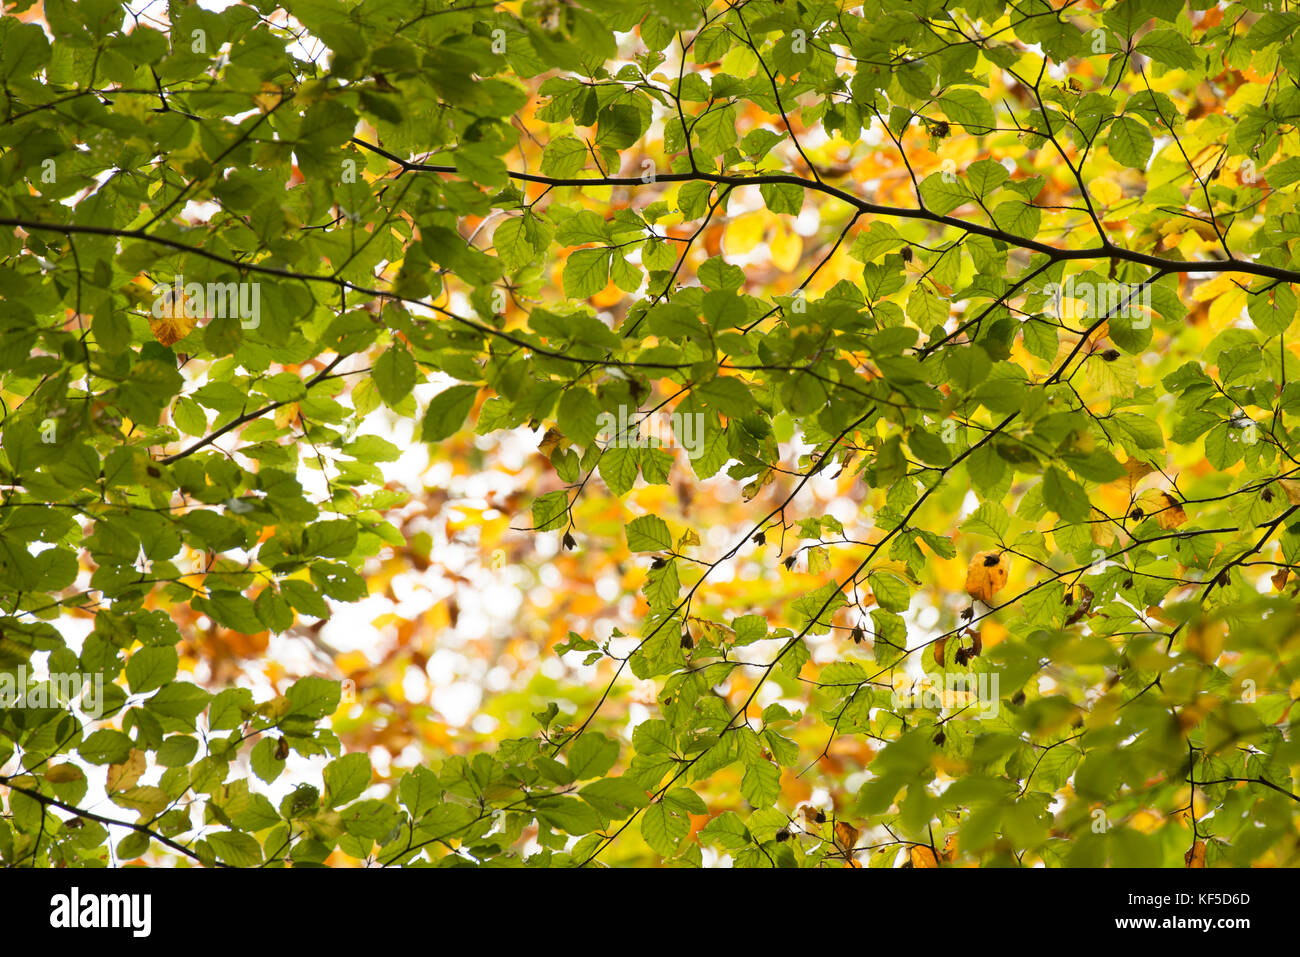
x=606, y=432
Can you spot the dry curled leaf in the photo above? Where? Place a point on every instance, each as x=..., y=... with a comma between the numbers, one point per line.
x=550, y=441
x=949, y=851
x=986, y=575
x=1083, y=605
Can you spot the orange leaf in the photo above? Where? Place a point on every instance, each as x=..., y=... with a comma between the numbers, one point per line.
x=1172, y=514
x=986, y=575
x=170, y=321
x=922, y=856
x=938, y=650
x=846, y=835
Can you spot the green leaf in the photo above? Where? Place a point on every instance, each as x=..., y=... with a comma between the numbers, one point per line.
x=235, y=848
x=564, y=156
x=150, y=668
x=649, y=533
x=761, y=785
x=592, y=755
x=179, y=699
x=447, y=412
x=1065, y=496
x=346, y=778
x=586, y=272
x=394, y=374
x=1130, y=142
x=663, y=830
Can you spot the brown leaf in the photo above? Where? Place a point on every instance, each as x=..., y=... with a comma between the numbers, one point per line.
x=846, y=835
x=282, y=749
x=938, y=651
x=1195, y=856
x=1279, y=578
x=986, y=575
x=1081, y=609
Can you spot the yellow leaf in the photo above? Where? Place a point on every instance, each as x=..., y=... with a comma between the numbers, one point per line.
x=286, y=414
x=1291, y=488
x=1103, y=532
x=986, y=575
x=1113, y=378
x=786, y=247
x=122, y=777
x=744, y=232
x=1137, y=470
x=1106, y=191
x=269, y=97
x=63, y=773
x=1205, y=640
x=1195, y=856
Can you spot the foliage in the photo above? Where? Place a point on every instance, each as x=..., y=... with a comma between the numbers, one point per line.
x=979, y=312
